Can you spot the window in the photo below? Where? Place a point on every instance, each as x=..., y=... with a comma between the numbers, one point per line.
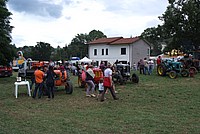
x=123, y=51
x=102, y=52
x=106, y=51
x=95, y=51
x=148, y=52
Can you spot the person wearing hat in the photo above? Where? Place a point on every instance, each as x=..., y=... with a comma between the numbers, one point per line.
x=107, y=83
x=89, y=80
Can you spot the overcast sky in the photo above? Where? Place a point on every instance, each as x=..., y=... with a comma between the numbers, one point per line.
x=58, y=21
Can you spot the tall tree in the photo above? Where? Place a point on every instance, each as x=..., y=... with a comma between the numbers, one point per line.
x=182, y=24
x=7, y=50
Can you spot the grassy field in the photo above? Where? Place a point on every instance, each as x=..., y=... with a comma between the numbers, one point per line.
x=157, y=105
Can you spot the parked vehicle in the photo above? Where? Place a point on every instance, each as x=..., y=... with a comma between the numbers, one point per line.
x=172, y=69
x=5, y=71
x=62, y=79
x=123, y=74
x=98, y=75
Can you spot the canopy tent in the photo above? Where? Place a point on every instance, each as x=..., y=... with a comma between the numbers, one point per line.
x=86, y=60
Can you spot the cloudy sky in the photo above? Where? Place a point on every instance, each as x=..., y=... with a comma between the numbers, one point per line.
x=58, y=21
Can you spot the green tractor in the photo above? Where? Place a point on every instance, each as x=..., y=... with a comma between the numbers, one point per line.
x=172, y=69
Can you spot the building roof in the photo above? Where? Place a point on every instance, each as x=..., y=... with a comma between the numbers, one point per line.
x=105, y=40
x=115, y=40
x=125, y=41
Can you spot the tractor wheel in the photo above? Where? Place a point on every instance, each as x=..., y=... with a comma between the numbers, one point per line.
x=69, y=87
x=172, y=74
x=184, y=73
x=121, y=80
x=161, y=69
x=118, y=79
x=115, y=78
x=135, y=78
x=193, y=69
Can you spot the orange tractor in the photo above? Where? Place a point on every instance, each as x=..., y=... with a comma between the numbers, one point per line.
x=62, y=79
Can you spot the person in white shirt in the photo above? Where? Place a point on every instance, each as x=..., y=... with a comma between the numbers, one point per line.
x=107, y=83
x=151, y=66
x=101, y=88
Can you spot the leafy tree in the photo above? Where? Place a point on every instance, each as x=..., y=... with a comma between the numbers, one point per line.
x=7, y=50
x=95, y=34
x=180, y=29
x=58, y=54
x=182, y=24
x=79, y=45
x=153, y=36
x=42, y=51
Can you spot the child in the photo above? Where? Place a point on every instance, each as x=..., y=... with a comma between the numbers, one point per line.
x=101, y=87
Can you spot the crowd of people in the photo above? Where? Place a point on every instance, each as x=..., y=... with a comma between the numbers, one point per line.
x=145, y=66
x=45, y=78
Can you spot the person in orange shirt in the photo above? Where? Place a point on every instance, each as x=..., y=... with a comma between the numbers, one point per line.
x=39, y=75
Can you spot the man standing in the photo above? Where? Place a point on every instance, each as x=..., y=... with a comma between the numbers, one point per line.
x=39, y=75
x=107, y=83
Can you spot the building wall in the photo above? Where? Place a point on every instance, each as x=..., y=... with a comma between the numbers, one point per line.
x=134, y=52
x=140, y=50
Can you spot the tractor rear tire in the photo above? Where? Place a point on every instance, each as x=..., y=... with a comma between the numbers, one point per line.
x=69, y=87
x=135, y=78
x=118, y=79
x=184, y=73
x=161, y=70
x=172, y=74
x=193, y=69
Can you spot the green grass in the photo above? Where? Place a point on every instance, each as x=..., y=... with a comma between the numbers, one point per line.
x=156, y=105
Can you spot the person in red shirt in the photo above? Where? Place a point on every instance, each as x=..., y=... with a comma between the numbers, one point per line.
x=39, y=75
x=158, y=60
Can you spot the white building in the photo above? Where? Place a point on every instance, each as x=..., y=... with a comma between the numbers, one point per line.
x=119, y=48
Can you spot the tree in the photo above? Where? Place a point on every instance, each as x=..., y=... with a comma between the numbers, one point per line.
x=79, y=45
x=42, y=51
x=7, y=50
x=182, y=24
x=153, y=36
x=95, y=34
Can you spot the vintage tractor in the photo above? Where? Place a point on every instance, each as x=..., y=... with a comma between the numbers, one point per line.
x=62, y=79
x=123, y=74
x=98, y=75
x=172, y=69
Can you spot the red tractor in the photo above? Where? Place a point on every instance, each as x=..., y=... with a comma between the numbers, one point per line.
x=98, y=75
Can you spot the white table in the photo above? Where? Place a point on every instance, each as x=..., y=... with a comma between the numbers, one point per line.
x=22, y=83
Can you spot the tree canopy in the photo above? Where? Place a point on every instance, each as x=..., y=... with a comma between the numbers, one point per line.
x=180, y=28
x=78, y=47
x=7, y=50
